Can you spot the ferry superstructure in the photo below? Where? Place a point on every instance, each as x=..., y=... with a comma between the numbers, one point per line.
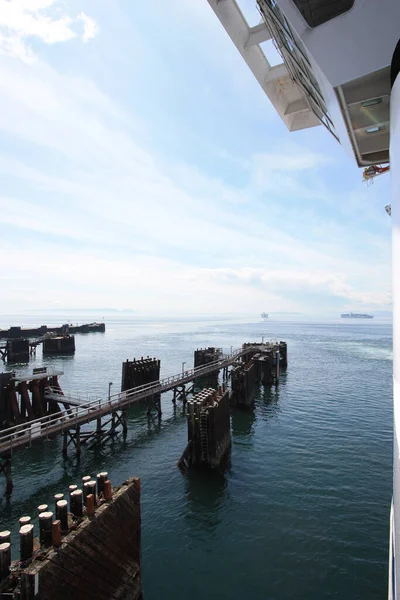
x=340, y=69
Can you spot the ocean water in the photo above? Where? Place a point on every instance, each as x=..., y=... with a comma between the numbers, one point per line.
x=302, y=510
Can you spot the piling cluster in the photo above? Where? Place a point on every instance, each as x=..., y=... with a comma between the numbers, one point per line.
x=62, y=344
x=203, y=357
x=139, y=372
x=243, y=379
x=55, y=522
x=17, y=350
x=209, y=433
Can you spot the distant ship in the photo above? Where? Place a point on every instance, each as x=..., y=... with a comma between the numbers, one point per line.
x=264, y=315
x=356, y=316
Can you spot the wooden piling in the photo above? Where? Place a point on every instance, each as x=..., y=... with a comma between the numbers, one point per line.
x=26, y=542
x=85, y=480
x=5, y=560
x=8, y=476
x=24, y=521
x=62, y=514
x=124, y=422
x=65, y=443
x=45, y=524
x=90, y=505
x=91, y=489
x=277, y=366
x=101, y=477
x=107, y=490
x=42, y=508
x=56, y=533
x=57, y=497
x=76, y=505
x=72, y=488
x=78, y=440
x=5, y=536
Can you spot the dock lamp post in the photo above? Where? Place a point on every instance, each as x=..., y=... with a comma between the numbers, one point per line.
x=262, y=340
x=109, y=391
x=183, y=368
x=231, y=349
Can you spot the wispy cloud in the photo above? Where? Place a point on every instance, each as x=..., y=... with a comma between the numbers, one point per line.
x=24, y=20
x=95, y=211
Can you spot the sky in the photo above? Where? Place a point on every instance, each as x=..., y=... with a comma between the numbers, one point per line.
x=142, y=167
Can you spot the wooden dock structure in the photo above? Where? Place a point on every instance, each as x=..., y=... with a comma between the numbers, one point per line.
x=209, y=429
x=38, y=416
x=35, y=332
x=21, y=349
x=87, y=547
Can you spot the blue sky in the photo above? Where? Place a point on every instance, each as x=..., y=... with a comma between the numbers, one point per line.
x=142, y=167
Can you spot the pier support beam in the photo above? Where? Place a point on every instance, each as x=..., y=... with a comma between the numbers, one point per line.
x=5, y=467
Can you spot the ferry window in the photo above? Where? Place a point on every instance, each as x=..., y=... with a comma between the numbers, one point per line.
x=316, y=12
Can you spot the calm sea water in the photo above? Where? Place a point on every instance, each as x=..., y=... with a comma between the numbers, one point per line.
x=302, y=511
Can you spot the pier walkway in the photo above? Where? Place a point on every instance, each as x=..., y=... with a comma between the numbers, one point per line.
x=81, y=410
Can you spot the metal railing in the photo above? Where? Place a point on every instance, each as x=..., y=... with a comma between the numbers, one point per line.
x=24, y=433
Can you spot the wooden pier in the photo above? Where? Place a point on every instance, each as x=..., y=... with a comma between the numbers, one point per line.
x=33, y=402
x=34, y=332
x=21, y=349
x=87, y=547
x=209, y=425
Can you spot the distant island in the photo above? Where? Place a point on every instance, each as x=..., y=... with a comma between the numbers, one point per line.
x=356, y=316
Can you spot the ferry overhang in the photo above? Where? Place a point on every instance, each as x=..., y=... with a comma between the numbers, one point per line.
x=335, y=67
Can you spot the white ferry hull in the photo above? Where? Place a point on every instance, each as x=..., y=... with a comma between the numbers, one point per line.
x=394, y=564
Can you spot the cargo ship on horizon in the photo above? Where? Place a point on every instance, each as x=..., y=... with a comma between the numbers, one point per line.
x=356, y=316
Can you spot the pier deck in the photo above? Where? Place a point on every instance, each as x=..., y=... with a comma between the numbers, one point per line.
x=86, y=410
